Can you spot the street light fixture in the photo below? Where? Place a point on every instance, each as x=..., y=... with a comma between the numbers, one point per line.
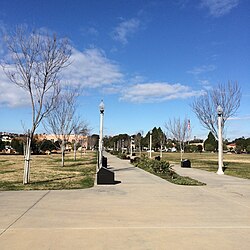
x=220, y=146
x=101, y=107
x=219, y=110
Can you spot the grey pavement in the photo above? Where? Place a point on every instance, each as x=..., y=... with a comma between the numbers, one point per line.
x=141, y=212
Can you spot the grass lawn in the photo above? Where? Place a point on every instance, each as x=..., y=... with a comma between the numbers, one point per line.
x=46, y=172
x=236, y=164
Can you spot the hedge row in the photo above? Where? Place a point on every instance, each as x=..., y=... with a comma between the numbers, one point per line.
x=153, y=166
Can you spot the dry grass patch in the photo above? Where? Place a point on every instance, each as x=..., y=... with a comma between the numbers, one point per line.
x=236, y=164
x=46, y=172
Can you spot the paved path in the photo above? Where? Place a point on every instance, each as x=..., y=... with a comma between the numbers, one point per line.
x=142, y=212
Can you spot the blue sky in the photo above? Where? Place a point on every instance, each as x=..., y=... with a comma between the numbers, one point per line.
x=146, y=59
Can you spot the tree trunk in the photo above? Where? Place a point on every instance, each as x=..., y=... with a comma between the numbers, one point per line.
x=75, y=151
x=63, y=149
x=26, y=175
x=181, y=151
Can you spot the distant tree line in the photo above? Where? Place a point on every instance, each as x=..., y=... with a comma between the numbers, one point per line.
x=37, y=146
x=122, y=141
x=160, y=142
x=242, y=144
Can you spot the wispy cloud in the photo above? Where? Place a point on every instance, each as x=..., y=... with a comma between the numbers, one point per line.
x=202, y=69
x=125, y=29
x=2, y=32
x=113, y=89
x=157, y=92
x=89, y=31
x=205, y=84
x=218, y=8
x=182, y=3
x=92, y=69
x=1, y=47
x=247, y=117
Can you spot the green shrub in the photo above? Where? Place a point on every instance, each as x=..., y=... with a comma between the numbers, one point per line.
x=135, y=159
x=209, y=147
x=122, y=156
x=17, y=145
x=163, y=170
x=113, y=152
x=152, y=166
x=2, y=145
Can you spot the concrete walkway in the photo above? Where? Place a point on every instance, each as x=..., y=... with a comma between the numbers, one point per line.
x=142, y=212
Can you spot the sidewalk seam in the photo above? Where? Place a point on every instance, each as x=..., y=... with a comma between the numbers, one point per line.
x=24, y=213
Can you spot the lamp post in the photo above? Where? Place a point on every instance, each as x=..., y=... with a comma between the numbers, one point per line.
x=123, y=145
x=101, y=107
x=150, y=144
x=131, y=146
x=220, y=146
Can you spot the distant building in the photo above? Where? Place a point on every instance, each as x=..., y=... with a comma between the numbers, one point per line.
x=82, y=139
x=197, y=142
x=6, y=138
x=231, y=147
x=9, y=150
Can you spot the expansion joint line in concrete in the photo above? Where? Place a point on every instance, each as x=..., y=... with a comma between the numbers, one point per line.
x=218, y=194
x=25, y=212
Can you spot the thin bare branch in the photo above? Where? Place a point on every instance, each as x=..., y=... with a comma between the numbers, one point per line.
x=228, y=96
x=34, y=63
x=178, y=130
x=62, y=121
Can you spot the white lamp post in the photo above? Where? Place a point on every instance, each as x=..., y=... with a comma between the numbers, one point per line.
x=101, y=107
x=220, y=146
x=131, y=146
x=150, y=144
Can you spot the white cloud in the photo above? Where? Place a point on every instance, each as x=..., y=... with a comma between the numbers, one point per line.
x=137, y=79
x=91, y=69
x=11, y=95
x=126, y=29
x=114, y=89
x=157, y=92
x=205, y=83
x=218, y=8
x=202, y=69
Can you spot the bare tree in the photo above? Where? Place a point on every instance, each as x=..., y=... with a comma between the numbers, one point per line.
x=62, y=120
x=178, y=130
x=80, y=130
x=34, y=64
x=228, y=96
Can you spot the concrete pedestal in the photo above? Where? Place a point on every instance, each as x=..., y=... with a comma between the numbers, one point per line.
x=186, y=164
x=105, y=176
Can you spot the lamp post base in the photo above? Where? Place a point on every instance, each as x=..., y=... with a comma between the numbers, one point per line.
x=220, y=172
